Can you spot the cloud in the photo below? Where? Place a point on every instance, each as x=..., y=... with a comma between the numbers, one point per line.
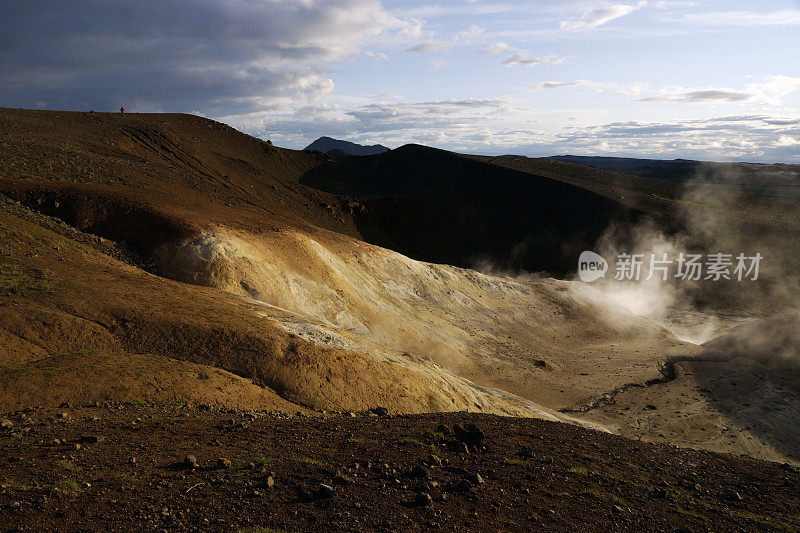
x=496, y=49
x=702, y=96
x=391, y=122
x=633, y=89
x=521, y=58
x=784, y=17
x=600, y=16
x=217, y=57
x=787, y=140
x=666, y=4
x=462, y=38
x=428, y=47
x=769, y=91
x=554, y=84
x=435, y=64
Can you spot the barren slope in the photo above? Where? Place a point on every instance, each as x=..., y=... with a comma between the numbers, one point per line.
x=217, y=255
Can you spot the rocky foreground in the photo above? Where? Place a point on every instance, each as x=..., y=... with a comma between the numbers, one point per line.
x=146, y=467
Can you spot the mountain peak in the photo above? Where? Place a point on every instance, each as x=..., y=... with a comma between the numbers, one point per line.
x=337, y=147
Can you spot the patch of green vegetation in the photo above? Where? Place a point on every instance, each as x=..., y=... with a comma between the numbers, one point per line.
x=14, y=368
x=514, y=461
x=67, y=465
x=138, y=403
x=68, y=485
x=694, y=513
x=310, y=461
x=17, y=279
x=608, y=496
x=357, y=440
x=415, y=442
x=582, y=470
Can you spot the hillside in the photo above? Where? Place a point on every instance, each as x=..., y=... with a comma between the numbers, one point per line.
x=446, y=208
x=264, y=471
x=214, y=268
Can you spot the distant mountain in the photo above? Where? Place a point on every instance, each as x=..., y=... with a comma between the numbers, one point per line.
x=682, y=170
x=338, y=148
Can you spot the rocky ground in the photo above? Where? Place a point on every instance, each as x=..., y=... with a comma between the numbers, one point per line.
x=145, y=467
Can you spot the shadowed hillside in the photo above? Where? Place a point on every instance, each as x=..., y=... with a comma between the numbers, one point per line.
x=443, y=207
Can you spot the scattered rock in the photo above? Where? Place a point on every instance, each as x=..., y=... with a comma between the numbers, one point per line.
x=528, y=452
x=269, y=482
x=423, y=499
x=474, y=478
x=91, y=439
x=190, y=462
x=434, y=460
x=325, y=491
x=462, y=485
x=419, y=472
x=6, y=424
x=458, y=447
x=341, y=479
x=224, y=462
x=733, y=495
x=470, y=435
x=381, y=411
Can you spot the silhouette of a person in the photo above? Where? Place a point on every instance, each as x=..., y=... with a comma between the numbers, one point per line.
x=121, y=110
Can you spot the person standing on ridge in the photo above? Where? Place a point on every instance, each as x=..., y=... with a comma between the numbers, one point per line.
x=121, y=110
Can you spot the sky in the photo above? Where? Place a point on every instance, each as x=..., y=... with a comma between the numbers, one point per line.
x=712, y=80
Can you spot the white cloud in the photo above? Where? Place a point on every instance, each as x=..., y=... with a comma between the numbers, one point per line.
x=496, y=49
x=602, y=15
x=667, y=4
x=466, y=37
x=632, y=89
x=742, y=18
x=787, y=140
x=521, y=58
x=770, y=91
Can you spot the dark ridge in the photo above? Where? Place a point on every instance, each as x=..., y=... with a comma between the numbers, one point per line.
x=446, y=208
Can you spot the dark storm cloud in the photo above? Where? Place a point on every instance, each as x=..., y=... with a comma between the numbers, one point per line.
x=218, y=56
